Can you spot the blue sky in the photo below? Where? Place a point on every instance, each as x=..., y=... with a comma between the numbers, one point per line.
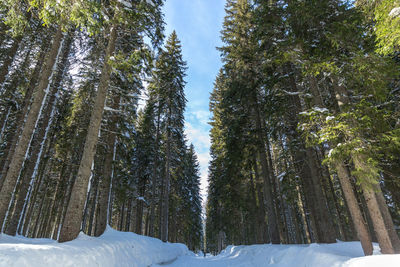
x=198, y=24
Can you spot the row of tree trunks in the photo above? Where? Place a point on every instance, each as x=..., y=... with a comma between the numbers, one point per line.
x=10, y=179
x=36, y=146
x=21, y=114
x=307, y=166
x=273, y=229
x=348, y=192
x=385, y=232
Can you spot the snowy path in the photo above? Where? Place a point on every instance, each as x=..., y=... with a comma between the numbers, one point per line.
x=347, y=254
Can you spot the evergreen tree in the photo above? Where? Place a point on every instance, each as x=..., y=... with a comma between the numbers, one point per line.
x=170, y=72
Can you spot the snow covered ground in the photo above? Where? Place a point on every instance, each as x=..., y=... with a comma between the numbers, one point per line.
x=343, y=254
x=127, y=249
x=113, y=248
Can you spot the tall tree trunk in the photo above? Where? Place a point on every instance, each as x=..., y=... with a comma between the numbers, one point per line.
x=139, y=206
x=256, y=236
x=276, y=194
x=330, y=190
x=381, y=229
x=311, y=177
x=9, y=150
x=327, y=231
x=9, y=92
x=10, y=179
x=73, y=218
x=105, y=181
x=92, y=208
x=387, y=218
x=128, y=215
x=34, y=194
x=348, y=192
x=261, y=213
x=165, y=200
x=262, y=156
x=303, y=216
x=154, y=178
x=38, y=140
x=355, y=212
x=65, y=174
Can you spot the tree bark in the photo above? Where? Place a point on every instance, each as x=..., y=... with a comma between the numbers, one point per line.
x=303, y=216
x=387, y=218
x=261, y=213
x=382, y=233
x=382, y=229
x=355, y=212
x=306, y=165
x=256, y=236
x=348, y=192
x=11, y=178
x=105, y=181
x=262, y=156
x=6, y=159
x=154, y=178
x=73, y=218
x=165, y=200
x=139, y=206
x=38, y=141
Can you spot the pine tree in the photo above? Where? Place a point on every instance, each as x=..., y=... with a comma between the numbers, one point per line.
x=170, y=72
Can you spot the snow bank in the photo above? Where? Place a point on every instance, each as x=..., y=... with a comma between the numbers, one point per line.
x=374, y=261
x=343, y=254
x=395, y=12
x=113, y=248
x=127, y=249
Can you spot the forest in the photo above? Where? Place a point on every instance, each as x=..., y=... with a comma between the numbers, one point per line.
x=76, y=151
x=305, y=124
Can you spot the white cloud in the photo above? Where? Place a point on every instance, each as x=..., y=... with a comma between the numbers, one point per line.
x=204, y=158
x=198, y=137
x=202, y=116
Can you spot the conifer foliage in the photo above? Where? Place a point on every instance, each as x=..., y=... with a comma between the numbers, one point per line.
x=305, y=125
x=76, y=151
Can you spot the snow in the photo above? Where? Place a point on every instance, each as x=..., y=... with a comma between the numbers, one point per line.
x=328, y=118
x=126, y=4
x=395, y=12
x=291, y=93
x=281, y=176
x=111, y=109
x=321, y=110
x=374, y=261
x=115, y=248
x=343, y=254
